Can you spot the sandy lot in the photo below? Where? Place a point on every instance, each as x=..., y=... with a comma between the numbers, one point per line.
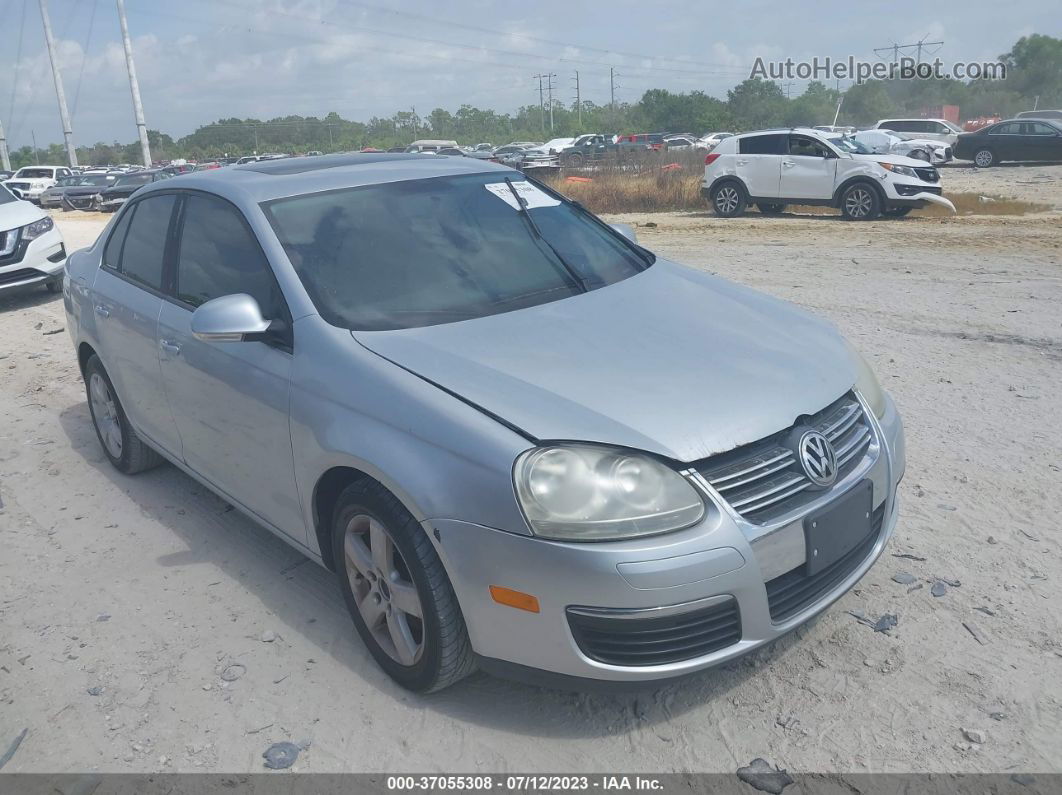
x=123, y=600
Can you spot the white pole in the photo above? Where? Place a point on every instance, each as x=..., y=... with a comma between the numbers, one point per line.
x=134, y=87
x=68, y=133
x=5, y=158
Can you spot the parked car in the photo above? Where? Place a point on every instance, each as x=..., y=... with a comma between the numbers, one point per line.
x=654, y=141
x=1027, y=139
x=32, y=250
x=6, y=175
x=586, y=148
x=709, y=140
x=430, y=145
x=1056, y=115
x=887, y=142
x=679, y=142
x=76, y=191
x=932, y=129
x=111, y=198
x=348, y=335
x=774, y=168
x=31, y=181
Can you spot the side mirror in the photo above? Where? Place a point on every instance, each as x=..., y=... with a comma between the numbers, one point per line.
x=627, y=231
x=230, y=318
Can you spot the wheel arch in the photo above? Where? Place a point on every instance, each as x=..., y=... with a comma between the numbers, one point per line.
x=725, y=178
x=84, y=353
x=837, y=194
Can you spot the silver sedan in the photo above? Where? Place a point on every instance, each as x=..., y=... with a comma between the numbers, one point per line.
x=522, y=441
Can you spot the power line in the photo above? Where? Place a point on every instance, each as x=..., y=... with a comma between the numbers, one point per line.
x=918, y=46
x=84, y=56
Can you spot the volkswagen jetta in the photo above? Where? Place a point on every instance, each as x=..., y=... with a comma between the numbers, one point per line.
x=521, y=440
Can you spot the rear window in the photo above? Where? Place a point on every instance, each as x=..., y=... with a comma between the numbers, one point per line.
x=763, y=145
x=429, y=251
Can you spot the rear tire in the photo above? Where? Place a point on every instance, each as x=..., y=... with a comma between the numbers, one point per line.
x=984, y=158
x=729, y=200
x=389, y=571
x=770, y=209
x=55, y=285
x=575, y=160
x=860, y=202
x=123, y=448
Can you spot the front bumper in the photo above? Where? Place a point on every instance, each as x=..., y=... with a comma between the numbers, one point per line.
x=38, y=261
x=721, y=563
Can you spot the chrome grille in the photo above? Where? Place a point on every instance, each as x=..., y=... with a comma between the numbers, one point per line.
x=928, y=174
x=764, y=479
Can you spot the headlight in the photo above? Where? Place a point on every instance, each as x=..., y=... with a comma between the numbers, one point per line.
x=867, y=384
x=904, y=171
x=37, y=228
x=583, y=492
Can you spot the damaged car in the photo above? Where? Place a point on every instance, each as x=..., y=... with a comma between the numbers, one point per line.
x=522, y=441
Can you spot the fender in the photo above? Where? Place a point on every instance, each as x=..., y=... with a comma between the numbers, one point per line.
x=725, y=178
x=860, y=177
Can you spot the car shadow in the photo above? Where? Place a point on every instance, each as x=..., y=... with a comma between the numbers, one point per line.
x=304, y=597
x=16, y=298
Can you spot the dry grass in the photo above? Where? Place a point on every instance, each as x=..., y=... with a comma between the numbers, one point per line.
x=673, y=183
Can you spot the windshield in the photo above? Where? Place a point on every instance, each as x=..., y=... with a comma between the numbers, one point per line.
x=34, y=173
x=422, y=252
x=852, y=146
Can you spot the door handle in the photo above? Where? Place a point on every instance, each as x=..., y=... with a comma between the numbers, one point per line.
x=788, y=163
x=742, y=162
x=102, y=311
x=170, y=347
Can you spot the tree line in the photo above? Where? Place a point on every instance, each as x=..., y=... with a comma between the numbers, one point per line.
x=1034, y=74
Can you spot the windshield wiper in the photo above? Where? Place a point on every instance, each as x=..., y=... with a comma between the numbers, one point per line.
x=521, y=203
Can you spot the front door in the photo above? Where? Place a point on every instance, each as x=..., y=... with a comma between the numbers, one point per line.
x=126, y=302
x=808, y=170
x=230, y=399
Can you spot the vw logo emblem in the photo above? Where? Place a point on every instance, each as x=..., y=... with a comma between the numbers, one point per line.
x=817, y=458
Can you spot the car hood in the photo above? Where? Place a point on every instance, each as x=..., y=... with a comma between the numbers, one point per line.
x=16, y=214
x=896, y=160
x=672, y=361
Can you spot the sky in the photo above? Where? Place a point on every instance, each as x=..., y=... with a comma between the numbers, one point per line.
x=201, y=60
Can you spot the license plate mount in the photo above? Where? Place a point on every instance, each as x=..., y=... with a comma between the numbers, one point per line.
x=836, y=530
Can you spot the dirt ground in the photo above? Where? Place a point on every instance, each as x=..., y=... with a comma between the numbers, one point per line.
x=128, y=603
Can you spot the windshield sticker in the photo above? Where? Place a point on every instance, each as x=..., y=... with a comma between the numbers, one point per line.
x=528, y=192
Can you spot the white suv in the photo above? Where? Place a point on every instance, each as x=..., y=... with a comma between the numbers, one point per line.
x=773, y=168
x=29, y=182
x=931, y=129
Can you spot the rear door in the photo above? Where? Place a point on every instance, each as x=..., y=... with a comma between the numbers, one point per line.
x=230, y=399
x=808, y=170
x=127, y=299
x=759, y=163
x=1006, y=141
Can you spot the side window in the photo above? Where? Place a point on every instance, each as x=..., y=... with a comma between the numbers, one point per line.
x=112, y=252
x=1011, y=128
x=145, y=244
x=801, y=146
x=763, y=145
x=219, y=255
x=1036, y=128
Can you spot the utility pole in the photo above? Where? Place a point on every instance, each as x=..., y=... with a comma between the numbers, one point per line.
x=134, y=88
x=578, y=101
x=612, y=88
x=549, y=81
x=5, y=158
x=416, y=127
x=68, y=133
x=788, y=87
x=918, y=46
x=36, y=157
x=541, y=107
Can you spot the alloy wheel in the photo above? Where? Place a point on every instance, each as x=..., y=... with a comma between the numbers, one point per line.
x=983, y=159
x=105, y=415
x=858, y=203
x=726, y=200
x=383, y=589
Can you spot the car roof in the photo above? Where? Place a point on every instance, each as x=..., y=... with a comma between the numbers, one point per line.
x=782, y=131
x=274, y=179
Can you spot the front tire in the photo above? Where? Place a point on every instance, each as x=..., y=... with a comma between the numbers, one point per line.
x=860, y=202
x=123, y=448
x=396, y=589
x=984, y=158
x=728, y=200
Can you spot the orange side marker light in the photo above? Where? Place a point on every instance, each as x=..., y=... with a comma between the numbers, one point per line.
x=511, y=598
